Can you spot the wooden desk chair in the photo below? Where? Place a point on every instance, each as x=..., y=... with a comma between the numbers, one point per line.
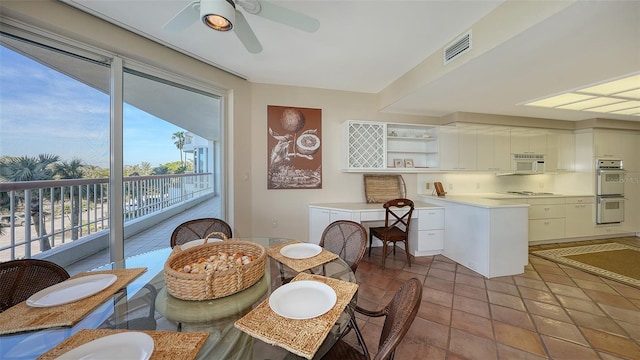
x=19, y=279
x=396, y=227
x=199, y=229
x=399, y=315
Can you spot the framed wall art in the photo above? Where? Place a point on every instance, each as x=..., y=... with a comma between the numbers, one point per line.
x=408, y=163
x=398, y=163
x=294, y=148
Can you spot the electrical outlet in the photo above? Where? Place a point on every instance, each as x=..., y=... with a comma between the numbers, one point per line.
x=541, y=185
x=428, y=186
x=274, y=224
x=478, y=186
x=450, y=186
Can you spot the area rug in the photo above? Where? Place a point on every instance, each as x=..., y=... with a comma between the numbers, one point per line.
x=614, y=261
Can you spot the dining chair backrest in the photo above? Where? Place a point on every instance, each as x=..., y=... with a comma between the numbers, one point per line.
x=346, y=238
x=199, y=229
x=396, y=214
x=19, y=279
x=401, y=311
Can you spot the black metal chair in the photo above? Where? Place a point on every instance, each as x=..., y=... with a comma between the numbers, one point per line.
x=19, y=279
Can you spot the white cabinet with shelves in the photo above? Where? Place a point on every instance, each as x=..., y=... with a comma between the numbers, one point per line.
x=377, y=146
x=458, y=149
x=493, y=149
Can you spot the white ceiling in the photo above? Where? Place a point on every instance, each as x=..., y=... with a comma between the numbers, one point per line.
x=584, y=43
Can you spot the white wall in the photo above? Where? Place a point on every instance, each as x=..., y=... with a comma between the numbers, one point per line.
x=289, y=207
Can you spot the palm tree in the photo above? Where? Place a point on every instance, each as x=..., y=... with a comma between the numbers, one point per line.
x=25, y=168
x=179, y=138
x=72, y=170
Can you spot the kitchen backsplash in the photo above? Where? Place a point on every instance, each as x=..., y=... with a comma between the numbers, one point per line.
x=461, y=183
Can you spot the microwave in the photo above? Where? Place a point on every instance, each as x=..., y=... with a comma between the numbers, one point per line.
x=527, y=163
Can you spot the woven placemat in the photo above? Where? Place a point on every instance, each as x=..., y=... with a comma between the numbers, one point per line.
x=301, y=337
x=167, y=345
x=300, y=265
x=21, y=317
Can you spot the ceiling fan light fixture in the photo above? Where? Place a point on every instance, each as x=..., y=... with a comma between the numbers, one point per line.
x=218, y=14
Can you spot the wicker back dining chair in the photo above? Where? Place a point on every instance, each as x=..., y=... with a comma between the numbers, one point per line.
x=396, y=227
x=19, y=279
x=399, y=315
x=347, y=239
x=199, y=229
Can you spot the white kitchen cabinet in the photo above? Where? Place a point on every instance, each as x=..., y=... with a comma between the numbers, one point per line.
x=546, y=219
x=493, y=149
x=607, y=143
x=579, y=216
x=430, y=239
x=320, y=218
x=631, y=151
x=376, y=146
x=528, y=141
x=561, y=153
x=458, y=150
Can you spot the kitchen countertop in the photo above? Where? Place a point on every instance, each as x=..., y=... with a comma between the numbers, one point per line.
x=493, y=200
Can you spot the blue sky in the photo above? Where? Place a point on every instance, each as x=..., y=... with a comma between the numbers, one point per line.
x=44, y=111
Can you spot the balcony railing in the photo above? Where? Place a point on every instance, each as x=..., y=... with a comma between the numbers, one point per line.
x=37, y=216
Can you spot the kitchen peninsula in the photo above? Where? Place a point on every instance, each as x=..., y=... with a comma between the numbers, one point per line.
x=487, y=236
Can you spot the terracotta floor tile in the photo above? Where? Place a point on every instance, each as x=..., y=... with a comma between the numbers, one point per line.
x=472, y=347
x=511, y=316
x=470, y=291
x=507, y=300
x=502, y=287
x=437, y=297
x=548, y=310
x=518, y=338
x=609, y=299
x=471, y=306
x=622, y=314
x=538, y=295
x=588, y=320
x=530, y=283
x=439, y=284
x=434, y=312
x=551, y=311
x=470, y=280
x=559, y=329
x=560, y=349
x=593, y=285
x=442, y=274
x=612, y=343
x=473, y=324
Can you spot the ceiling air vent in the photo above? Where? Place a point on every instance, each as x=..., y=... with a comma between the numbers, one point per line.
x=457, y=48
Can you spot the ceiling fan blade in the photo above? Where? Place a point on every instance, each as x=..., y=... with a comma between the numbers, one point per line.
x=245, y=34
x=183, y=19
x=286, y=16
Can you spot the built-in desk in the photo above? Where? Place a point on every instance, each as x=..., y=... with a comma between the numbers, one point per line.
x=487, y=236
x=426, y=231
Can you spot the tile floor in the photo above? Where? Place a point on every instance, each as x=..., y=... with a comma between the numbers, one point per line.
x=550, y=312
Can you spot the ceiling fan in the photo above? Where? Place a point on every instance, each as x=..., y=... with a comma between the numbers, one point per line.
x=222, y=15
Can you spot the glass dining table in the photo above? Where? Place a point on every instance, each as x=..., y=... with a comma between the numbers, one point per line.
x=145, y=304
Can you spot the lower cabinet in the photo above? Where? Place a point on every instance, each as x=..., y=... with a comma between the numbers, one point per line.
x=320, y=218
x=546, y=219
x=430, y=234
x=579, y=216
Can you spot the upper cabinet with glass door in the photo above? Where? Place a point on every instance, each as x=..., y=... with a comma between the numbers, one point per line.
x=376, y=146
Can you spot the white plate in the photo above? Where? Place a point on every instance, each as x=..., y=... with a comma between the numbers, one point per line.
x=197, y=242
x=303, y=299
x=125, y=345
x=300, y=251
x=71, y=290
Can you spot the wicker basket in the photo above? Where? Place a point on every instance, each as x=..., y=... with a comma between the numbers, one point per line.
x=214, y=284
x=382, y=188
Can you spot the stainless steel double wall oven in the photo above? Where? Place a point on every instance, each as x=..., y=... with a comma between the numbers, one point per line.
x=609, y=191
